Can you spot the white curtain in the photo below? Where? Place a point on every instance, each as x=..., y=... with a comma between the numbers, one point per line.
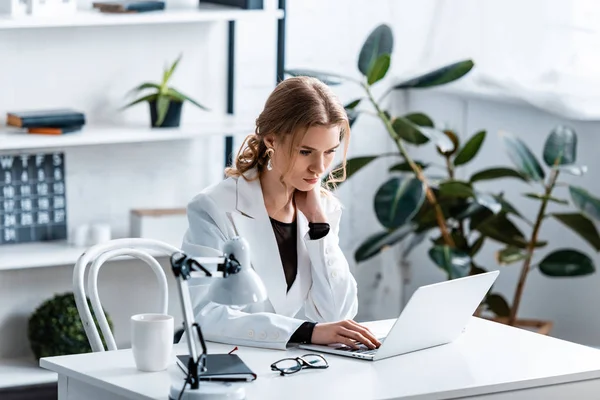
x=545, y=52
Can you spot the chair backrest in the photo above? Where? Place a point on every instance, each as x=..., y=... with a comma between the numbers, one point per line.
x=142, y=249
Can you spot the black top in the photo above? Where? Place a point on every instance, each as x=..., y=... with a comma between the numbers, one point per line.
x=286, y=234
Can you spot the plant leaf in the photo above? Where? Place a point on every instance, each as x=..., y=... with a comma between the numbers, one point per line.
x=488, y=201
x=353, y=165
x=522, y=157
x=498, y=305
x=455, y=143
x=352, y=105
x=380, y=241
x=162, y=106
x=408, y=131
x=420, y=119
x=352, y=116
x=456, y=263
x=501, y=229
x=405, y=167
x=169, y=72
x=477, y=245
x=440, y=76
x=470, y=149
x=506, y=206
x=496, y=173
x=567, y=262
x=460, y=242
x=182, y=97
x=581, y=225
x=561, y=146
x=398, y=200
x=149, y=97
x=543, y=197
x=476, y=270
x=577, y=170
x=441, y=140
x=145, y=85
x=380, y=41
x=585, y=202
x=453, y=188
x=327, y=78
x=379, y=69
x=510, y=255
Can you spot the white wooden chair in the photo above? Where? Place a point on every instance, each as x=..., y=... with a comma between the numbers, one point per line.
x=98, y=255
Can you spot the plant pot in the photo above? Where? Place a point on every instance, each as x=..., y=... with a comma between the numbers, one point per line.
x=535, y=325
x=173, y=117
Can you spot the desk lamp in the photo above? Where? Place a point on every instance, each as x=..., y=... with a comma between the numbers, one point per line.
x=240, y=285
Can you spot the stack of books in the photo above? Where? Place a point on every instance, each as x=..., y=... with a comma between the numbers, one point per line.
x=132, y=6
x=47, y=121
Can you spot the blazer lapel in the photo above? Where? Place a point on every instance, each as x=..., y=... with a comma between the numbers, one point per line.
x=252, y=222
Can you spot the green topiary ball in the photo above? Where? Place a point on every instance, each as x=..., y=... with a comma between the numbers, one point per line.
x=55, y=329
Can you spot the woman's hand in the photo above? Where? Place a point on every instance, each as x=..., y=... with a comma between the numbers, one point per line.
x=347, y=332
x=310, y=204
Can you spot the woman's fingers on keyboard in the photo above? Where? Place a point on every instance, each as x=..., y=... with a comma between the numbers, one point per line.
x=358, y=337
x=366, y=332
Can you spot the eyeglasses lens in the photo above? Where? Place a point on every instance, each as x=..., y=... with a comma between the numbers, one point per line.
x=288, y=366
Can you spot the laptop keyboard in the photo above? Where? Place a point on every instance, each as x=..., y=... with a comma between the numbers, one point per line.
x=361, y=349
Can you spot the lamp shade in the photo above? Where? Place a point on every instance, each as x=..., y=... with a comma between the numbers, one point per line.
x=239, y=289
x=242, y=288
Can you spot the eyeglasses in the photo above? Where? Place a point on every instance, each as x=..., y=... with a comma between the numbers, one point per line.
x=288, y=366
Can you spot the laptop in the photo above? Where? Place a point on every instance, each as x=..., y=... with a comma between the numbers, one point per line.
x=435, y=315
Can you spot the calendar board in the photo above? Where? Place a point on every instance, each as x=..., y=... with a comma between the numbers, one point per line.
x=32, y=198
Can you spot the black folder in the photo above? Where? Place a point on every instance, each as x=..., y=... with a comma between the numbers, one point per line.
x=221, y=367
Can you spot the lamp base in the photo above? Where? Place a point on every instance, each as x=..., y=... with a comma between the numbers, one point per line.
x=208, y=390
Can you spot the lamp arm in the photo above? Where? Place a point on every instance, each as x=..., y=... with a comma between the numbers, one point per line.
x=182, y=266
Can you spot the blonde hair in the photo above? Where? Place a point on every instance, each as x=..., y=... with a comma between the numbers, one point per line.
x=295, y=105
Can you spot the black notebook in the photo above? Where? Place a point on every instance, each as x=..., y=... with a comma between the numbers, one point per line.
x=221, y=367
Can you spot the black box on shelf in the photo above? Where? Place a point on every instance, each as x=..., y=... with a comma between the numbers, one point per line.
x=245, y=4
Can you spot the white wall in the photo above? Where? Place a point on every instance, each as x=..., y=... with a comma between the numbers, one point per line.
x=568, y=302
x=92, y=69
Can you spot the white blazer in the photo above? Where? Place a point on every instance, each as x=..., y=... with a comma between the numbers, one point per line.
x=324, y=289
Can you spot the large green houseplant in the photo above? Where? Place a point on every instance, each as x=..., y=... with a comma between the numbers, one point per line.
x=559, y=155
x=415, y=204
x=164, y=101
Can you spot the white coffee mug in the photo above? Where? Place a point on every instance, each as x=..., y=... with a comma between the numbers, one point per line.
x=152, y=341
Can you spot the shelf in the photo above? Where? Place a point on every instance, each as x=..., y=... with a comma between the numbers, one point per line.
x=16, y=138
x=45, y=254
x=23, y=372
x=83, y=18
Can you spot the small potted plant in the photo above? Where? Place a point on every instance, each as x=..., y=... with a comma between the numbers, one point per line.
x=165, y=102
x=55, y=328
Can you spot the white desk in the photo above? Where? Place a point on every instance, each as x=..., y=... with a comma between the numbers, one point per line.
x=489, y=361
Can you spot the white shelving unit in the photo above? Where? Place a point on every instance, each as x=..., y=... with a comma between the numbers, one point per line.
x=23, y=372
x=203, y=13
x=17, y=139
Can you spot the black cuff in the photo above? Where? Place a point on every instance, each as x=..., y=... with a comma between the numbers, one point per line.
x=317, y=230
x=304, y=333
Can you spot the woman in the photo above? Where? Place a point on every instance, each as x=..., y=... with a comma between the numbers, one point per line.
x=273, y=198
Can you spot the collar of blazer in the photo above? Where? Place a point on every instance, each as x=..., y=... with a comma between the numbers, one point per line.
x=252, y=222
